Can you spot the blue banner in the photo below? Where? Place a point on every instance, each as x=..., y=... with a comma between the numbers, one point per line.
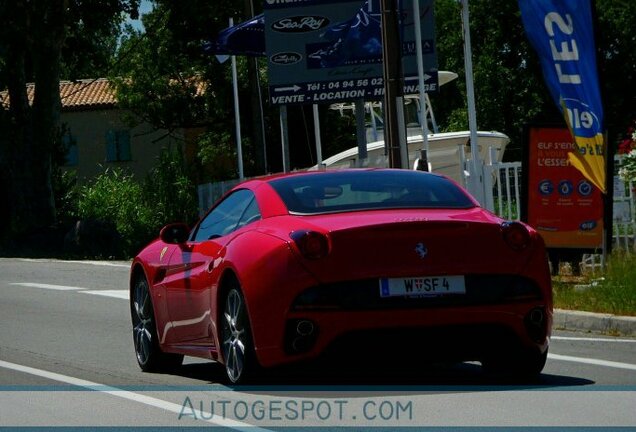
x=561, y=32
x=246, y=38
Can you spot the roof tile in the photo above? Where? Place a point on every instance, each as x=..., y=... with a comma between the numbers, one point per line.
x=86, y=93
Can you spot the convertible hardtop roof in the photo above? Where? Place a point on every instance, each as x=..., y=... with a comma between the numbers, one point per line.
x=270, y=177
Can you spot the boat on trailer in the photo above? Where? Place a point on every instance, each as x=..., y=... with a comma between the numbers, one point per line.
x=447, y=152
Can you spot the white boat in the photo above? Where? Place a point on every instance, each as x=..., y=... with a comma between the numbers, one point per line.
x=447, y=150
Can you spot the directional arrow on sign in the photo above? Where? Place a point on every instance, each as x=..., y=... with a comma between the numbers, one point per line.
x=293, y=88
x=426, y=76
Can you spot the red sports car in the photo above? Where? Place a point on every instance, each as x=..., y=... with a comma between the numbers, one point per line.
x=290, y=267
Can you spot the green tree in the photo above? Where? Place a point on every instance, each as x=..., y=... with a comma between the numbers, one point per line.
x=90, y=48
x=165, y=78
x=175, y=48
x=135, y=208
x=616, y=40
x=509, y=90
x=509, y=86
x=33, y=37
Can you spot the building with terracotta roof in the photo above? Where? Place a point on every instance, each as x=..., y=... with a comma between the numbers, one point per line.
x=97, y=137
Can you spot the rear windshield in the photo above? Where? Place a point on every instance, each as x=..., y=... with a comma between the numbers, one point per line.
x=367, y=190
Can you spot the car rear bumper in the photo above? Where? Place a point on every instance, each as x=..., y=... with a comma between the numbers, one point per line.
x=462, y=333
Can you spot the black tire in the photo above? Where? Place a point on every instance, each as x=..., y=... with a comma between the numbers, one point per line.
x=521, y=365
x=237, y=346
x=147, y=351
x=532, y=364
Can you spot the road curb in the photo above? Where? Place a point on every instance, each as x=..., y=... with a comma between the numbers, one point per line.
x=594, y=322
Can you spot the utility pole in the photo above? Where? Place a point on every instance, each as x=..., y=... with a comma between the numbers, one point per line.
x=237, y=116
x=476, y=181
x=256, y=102
x=393, y=85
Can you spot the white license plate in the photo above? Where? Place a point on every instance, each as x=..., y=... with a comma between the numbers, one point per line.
x=422, y=286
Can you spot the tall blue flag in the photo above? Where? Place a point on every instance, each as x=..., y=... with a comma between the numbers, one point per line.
x=246, y=38
x=561, y=32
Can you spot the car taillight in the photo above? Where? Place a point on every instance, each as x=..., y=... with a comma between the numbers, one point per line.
x=516, y=235
x=311, y=244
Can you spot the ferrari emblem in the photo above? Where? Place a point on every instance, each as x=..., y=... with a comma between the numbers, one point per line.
x=163, y=252
x=421, y=250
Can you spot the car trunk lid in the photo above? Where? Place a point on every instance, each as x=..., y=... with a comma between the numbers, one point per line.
x=411, y=243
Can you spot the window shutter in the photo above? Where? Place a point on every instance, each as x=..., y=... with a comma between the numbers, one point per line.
x=123, y=140
x=111, y=146
x=72, y=156
x=70, y=147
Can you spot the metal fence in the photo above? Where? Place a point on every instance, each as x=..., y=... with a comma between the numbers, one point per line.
x=503, y=189
x=624, y=211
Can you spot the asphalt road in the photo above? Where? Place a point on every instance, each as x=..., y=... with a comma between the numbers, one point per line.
x=66, y=359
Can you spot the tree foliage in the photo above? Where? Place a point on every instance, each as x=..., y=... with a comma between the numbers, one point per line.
x=165, y=78
x=156, y=80
x=617, y=62
x=138, y=208
x=152, y=63
x=33, y=36
x=509, y=86
x=509, y=91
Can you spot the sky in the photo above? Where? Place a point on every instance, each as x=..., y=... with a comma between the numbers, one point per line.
x=144, y=7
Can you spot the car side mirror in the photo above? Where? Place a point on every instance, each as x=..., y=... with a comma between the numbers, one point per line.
x=176, y=233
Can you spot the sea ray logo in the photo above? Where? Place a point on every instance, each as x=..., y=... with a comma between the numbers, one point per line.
x=300, y=24
x=421, y=250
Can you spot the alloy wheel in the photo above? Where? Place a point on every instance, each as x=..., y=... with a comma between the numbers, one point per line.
x=142, y=322
x=235, y=336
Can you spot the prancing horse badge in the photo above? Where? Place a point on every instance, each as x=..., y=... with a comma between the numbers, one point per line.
x=421, y=250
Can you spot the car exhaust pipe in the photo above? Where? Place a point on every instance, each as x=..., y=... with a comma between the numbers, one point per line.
x=300, y=336
x=536, y=317
x=305, y=328
x=536, y=324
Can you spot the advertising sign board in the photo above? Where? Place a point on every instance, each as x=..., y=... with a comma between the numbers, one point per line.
x=564, y=206
x=325, y=51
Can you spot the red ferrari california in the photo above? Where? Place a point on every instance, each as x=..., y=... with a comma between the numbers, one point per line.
x=291, y=267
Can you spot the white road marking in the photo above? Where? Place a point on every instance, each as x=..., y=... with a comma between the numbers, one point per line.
x=572, y=338
x=120, y=294
x=47, y=286
x=94, y=263
x=102, y=263
x=596, y=362
x=128, y=395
